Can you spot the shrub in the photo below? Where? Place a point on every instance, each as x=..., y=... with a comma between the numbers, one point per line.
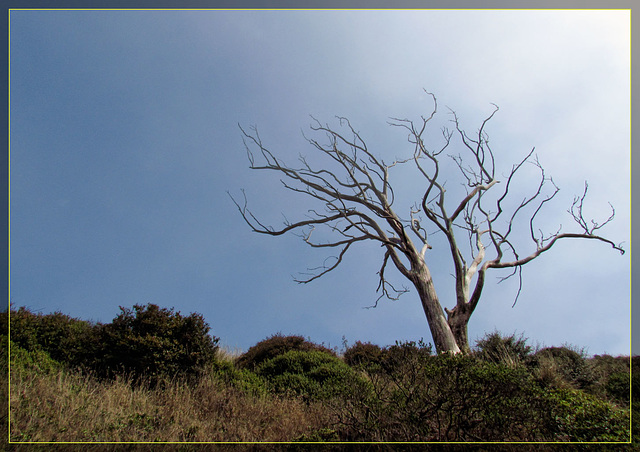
x=577, y=416
x=241, y=379
x=406, y=355
x=37, y=360
x=155, y=342
x=363, y=354
x=24, y=328
x=374, y=359
x=277, y=345
x=612, y=378
x=67, y=340
x=509, y=350
x=313, y=374
x=461, y=398
x=444, y=398
x=617, y=387
x=562, y=367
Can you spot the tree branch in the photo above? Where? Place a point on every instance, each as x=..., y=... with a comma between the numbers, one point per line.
x=356, y=197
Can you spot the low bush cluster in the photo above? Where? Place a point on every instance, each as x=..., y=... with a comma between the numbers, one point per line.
x=314, y=375
x=36, y=361
x=461, y=398
x=65, y=339
x=612, y=378
x=562, y=366
x=363, y=354
x=565, y=367
x=375, y=359
x=422, y=397
x=277, y=345
x=153, y=342
x=510, y=350
x=144, y=342
x=503, y=391
x=574, y=415
x=243, y=380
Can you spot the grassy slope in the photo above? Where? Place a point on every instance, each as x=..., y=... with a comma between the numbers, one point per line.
x=50, y=403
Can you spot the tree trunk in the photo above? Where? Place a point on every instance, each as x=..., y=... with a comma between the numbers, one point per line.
x=443, y=336
x=458, y=319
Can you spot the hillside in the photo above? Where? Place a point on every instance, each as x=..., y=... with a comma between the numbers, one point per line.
x=154, y=375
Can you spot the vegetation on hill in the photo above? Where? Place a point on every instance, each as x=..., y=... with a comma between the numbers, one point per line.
x=153, y=374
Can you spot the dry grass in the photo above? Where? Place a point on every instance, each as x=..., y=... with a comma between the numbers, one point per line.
x=548, y=373
x=62, y=406
x=51, y=405
x=227, y=353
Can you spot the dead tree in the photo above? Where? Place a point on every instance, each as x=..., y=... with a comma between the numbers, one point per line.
x=357, y=199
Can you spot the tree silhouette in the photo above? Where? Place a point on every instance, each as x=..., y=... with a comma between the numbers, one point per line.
x=355, y=190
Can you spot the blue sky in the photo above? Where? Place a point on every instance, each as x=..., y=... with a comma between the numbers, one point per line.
x=124, y=140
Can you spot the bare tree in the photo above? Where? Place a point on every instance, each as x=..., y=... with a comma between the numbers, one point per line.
x=357, y=197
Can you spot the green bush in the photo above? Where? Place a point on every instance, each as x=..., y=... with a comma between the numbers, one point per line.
x=70, y=341
x=612, y=378
x=509, y=350
x=374, y=359
x=277, y=345
x=24, y=328
x=574, y=415
x=37, y=360
x=617, y=387
x=460, y=398
x=562, y=367
x=242, y=379
x=444, y=398
x=313, y=374
x=154, y=343
x=408, y=355
x=363, y=354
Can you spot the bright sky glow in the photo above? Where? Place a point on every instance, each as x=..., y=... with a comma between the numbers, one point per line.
x=124, y=141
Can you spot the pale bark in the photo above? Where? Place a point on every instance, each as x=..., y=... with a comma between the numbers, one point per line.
x=443, y=335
